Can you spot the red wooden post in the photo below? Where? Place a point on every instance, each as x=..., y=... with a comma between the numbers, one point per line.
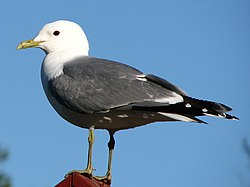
x=78, y=180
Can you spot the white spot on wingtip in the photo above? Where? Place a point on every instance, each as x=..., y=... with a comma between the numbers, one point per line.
x=145, y=116
x=222, y=115
x=204, y=110
x=218, y=115
x=234, y=119
x=188, y=105
x=212, y=115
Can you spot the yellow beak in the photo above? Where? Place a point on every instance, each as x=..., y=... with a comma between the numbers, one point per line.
x=28, y=44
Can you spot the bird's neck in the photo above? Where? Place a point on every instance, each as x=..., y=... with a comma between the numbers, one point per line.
x=53, y=63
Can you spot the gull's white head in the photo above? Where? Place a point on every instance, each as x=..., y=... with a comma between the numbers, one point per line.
x=59, y=36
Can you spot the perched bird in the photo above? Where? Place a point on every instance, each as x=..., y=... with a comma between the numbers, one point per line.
x=97, y=93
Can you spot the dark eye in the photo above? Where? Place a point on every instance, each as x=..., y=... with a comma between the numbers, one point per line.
x=56, y=33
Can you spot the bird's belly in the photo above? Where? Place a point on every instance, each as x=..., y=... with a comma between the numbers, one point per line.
x=112, y=120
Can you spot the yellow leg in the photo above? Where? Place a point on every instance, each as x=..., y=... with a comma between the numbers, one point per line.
x=111, y=146
x=89, y=169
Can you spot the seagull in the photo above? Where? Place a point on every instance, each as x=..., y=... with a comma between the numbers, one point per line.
x=95, y=93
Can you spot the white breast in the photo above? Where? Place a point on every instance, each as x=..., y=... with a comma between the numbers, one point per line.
x=53, y=63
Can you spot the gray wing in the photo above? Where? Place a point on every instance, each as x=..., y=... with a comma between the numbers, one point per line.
x=91, y=85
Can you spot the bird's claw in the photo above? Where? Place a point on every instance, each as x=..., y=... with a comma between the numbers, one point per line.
x=107, y=178
x=87, y=172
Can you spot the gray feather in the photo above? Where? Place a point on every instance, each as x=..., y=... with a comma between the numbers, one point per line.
x=91, y=85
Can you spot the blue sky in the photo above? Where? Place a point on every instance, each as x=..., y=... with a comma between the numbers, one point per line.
x=202, y=46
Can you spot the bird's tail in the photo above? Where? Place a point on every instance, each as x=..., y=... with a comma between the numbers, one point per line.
x=199, y=107
x=191, y=108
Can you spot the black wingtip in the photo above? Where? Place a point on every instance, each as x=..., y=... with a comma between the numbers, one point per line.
x=231, y=117
x=225, y=107
x=205, y=123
